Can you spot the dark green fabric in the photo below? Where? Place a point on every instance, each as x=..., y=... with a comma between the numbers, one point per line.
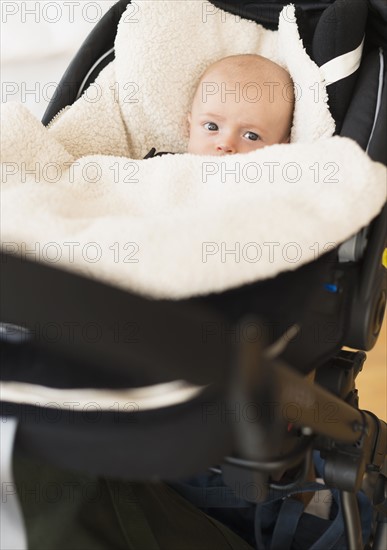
x=64, y=510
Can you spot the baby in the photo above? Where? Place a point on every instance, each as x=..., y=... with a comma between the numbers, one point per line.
x=242, y=103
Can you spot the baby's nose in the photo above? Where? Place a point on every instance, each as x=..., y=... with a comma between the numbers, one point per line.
x=226, y=147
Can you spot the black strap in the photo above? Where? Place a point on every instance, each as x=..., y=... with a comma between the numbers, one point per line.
x=152, y=153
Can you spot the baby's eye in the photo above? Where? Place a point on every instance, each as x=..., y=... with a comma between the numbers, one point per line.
x=252, y=136
x=211, y=126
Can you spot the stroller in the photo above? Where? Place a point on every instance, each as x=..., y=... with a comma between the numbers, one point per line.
x=191, y=429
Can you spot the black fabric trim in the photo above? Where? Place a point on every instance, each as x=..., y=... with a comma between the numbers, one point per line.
x=377, y=149
x=340, y=30
x=195, y=435
x=103, y=62
x=267, y=15
x=27, y=364
x=340, y=96
x=163, y=341
x=100, y=40
x=377, y=24
x=296, y=297
x=359, y=119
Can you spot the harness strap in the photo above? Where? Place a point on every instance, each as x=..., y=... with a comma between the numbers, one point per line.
x=286, y=526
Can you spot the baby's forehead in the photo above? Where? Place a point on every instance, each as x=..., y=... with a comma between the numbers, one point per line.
x=254, y=76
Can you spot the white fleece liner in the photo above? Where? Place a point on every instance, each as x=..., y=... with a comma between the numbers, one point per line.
x=276, y=208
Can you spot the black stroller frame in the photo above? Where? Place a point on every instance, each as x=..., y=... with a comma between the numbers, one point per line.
x=244, y=370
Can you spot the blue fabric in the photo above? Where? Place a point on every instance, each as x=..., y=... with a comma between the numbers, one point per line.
x=286, y=525
x=278, y=523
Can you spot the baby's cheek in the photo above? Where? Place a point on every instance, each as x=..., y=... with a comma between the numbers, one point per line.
x=195, y=144
x=259, y=145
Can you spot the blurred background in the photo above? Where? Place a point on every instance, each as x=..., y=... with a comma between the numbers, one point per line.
x=38, y=41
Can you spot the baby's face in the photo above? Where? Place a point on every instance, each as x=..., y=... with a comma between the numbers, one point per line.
x=222, y=122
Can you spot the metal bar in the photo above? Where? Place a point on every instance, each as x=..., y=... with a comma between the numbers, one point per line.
x=351, y=520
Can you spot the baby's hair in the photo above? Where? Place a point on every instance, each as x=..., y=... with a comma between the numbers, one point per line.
x=250, y=65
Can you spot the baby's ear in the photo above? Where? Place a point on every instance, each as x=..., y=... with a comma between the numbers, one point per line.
x=287, y=140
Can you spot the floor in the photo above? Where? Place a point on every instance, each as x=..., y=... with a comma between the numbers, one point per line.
x=372, y=381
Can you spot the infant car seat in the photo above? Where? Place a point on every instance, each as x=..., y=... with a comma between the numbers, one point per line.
x=164, y=364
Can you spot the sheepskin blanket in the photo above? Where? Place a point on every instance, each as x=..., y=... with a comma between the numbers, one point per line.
x=78, y=196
